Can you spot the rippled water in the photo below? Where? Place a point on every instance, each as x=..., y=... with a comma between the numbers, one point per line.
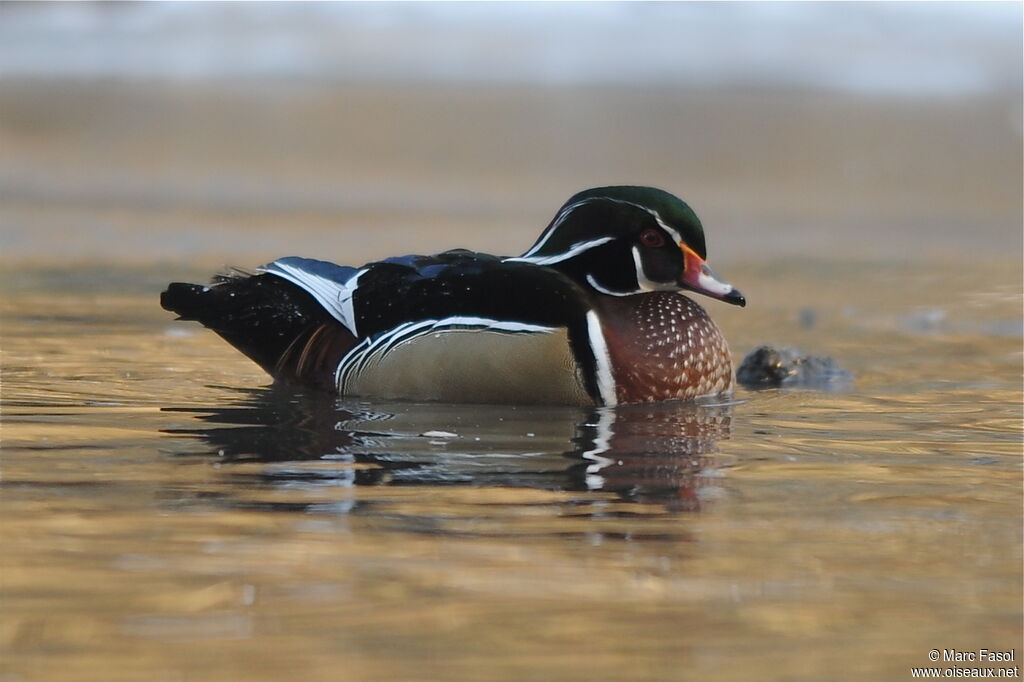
x=168, y=516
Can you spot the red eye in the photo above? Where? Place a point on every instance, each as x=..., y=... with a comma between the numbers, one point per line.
x=652, y=238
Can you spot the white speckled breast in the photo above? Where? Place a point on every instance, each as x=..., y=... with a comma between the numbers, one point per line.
x=663, y=346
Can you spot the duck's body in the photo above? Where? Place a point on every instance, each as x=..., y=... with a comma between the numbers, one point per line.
x=561, y=324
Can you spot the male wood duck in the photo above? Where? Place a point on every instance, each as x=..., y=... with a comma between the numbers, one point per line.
x=591, y=314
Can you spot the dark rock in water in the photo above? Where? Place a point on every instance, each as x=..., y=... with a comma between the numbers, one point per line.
x=770, y=367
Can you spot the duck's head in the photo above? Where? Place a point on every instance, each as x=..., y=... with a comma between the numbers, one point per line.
x=630, y=240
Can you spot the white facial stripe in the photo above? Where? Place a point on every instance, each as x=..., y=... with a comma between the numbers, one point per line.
x=676, y=237
x=565, y=212
x=644, y=282
x=603, y=361
x=559, y=219
x=641, y=276
x=574, y=250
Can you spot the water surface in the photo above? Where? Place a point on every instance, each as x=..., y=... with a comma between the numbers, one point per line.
x=165, y=515
x=169, y=516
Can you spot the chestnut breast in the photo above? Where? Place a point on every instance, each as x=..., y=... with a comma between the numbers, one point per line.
x=663, y=346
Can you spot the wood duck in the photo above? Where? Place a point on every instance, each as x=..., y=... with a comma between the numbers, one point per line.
x=591, y=314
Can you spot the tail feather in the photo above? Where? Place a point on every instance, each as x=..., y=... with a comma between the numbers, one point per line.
x=279, y=326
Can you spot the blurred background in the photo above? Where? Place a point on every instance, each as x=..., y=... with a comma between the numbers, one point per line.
x=857, y=167
x=234, y=133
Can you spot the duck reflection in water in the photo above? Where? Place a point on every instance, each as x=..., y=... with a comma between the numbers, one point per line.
x=660, y=453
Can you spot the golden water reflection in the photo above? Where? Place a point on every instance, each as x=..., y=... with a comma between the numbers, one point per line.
x=651, y=453
x=164, y=517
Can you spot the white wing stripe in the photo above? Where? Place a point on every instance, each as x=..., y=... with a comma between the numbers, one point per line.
x=357, y=359
x=335, y=297
x=574, y=250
